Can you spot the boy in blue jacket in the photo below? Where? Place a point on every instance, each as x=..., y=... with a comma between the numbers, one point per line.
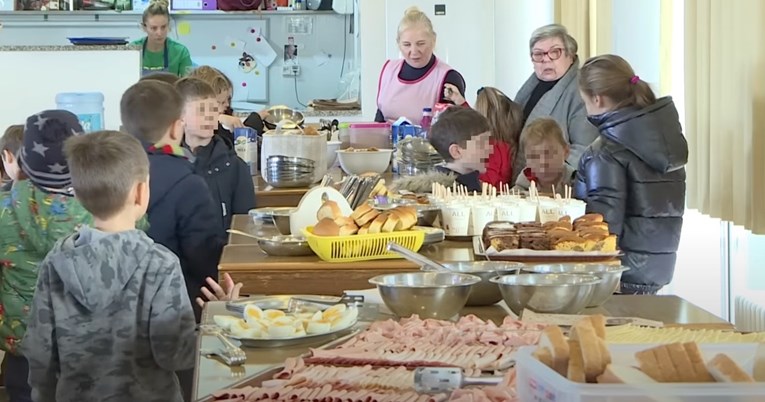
x=181, y=210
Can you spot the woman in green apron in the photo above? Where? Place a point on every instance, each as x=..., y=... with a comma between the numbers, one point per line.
x=159, y=52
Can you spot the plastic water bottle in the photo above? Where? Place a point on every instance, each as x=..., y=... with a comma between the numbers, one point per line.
x=427, y=120
x=88, y=106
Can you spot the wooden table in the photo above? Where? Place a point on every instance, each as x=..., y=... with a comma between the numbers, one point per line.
x=212, y=375
x=263, y=274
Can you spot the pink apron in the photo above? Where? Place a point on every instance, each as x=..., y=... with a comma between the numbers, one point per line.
x=396, y=98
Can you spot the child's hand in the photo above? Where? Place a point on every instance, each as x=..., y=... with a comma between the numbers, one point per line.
x=263, y=114
x=230, y=122
x=452, y=93
x=229, y=294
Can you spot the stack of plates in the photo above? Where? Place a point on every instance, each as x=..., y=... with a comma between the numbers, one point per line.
x=289, y=171
x=415, y=155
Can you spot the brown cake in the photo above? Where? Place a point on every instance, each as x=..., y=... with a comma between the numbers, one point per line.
x=535, y=241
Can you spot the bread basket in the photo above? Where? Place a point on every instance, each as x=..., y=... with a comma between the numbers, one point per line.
x=365, y=247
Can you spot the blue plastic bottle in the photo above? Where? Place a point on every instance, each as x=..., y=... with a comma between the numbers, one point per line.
x=88, y=106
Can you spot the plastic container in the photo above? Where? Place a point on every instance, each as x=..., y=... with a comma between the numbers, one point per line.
x=88, y=106
x=356, y=248
x=537, y=382
x=370, y=135
x=427, y=119
x=344, y=135
x=246, y=146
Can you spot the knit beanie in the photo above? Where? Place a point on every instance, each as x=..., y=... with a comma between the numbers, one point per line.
x=42, y=155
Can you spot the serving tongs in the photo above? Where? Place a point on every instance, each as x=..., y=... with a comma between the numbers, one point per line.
x=231, y=354
x=436, y=380
x=295, y=303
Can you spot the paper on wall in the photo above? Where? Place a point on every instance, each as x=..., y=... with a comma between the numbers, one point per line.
x=263, y=52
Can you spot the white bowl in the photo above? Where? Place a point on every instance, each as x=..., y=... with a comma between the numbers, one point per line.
x=360, y=162
x=332, y=147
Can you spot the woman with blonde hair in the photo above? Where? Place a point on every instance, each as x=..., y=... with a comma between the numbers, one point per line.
x=506, y=121
x=634, y=174
x=160, y=53
x=419, y=79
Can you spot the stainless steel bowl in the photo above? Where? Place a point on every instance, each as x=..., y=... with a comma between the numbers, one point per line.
x=278, y=113
x=427, y=294
x=484, y=293
x=609, y=274
x=427, y=214
x=290, y=161
x=285, y=246
x=281, y=219
x=547, y=293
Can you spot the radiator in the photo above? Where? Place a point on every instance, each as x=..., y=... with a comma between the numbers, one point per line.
x=749, y=312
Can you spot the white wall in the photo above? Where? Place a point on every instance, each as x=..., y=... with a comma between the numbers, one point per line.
x=636, y=36
x=486, y=40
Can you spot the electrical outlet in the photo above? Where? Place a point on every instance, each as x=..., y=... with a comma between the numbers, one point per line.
x=291, y=71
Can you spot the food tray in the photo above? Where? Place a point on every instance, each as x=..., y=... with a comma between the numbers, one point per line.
x=356, y=248
x=526, y=255
x=300, y=340
x=537, y=382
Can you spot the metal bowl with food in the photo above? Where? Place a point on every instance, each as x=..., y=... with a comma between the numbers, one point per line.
x=427, y=294
x=484, y=293
x=281, y=217
x=285, y=246
x=278, y=114
x=547, y=293
x=609, y=274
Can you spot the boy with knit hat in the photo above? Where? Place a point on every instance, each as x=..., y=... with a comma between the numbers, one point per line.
x=38, y=211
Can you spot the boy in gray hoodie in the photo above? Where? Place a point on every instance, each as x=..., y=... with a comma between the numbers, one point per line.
x=111, y=318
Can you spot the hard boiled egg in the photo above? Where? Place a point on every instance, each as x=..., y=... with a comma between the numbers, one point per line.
x=271, y=315
x=253, y=314
x=346, y=319
x=281, y=330
x=318, y=327
x=243, y=330
x=334, y=312
x=225, y=321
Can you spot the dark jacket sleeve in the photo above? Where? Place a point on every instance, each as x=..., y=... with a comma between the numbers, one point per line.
x=602, y=183
x=198, y=231
x=38, y=346
x=244, y=194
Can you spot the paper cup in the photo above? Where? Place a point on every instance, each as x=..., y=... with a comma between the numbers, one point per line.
x=455, y=219
x=509, y=211
x=574, y=208
x=528, y=211
x=480, y=215
x=549, y=211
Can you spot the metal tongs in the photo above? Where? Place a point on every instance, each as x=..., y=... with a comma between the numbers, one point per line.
x=298, y=303
x=436, y=380
x=231, y=354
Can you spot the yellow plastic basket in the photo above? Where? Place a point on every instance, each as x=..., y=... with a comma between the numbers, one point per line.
x=366, y=247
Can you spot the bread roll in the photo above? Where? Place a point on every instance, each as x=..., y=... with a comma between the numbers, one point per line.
x=618, y=374
x=344, y=220
x=368, y=217
x=391, y=223
x=360, y=211
x=552, y=338
x=598, y=322
x=589, y=218
x=348, y=230
x=326, y=227
x=575, y=370
x=363, y=230
x=376, y=226
x=329, y=209
x=724, y=369
x=544, y=356
x=407, y=218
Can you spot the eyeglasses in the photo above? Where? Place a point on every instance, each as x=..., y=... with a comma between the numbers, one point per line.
x=554, y=54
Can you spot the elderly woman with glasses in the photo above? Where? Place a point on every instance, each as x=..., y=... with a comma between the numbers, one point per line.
x=552, y=91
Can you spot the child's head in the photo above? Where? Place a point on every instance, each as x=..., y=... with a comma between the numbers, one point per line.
x=169, y=78
x=9, y=146
x=41, y=158
x=461, y=136
x=545, y=149
x=608, y=83
x=151, y=111
x=222, y=86
x=200, y=109
x=505, y=116
x=110, y=174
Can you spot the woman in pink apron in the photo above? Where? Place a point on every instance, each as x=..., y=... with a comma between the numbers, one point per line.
x=419, y=80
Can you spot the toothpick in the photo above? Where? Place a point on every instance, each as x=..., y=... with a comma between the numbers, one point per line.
x=554, y=192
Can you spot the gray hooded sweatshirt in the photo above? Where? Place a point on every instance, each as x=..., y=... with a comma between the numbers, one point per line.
x=110, y=321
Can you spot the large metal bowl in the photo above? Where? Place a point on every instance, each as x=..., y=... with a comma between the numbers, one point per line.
x=278, y=113
x=281, y=219
x=285, y=246
x=484, y=293
x=427, y=294
x=547, y=293
x=609, y=274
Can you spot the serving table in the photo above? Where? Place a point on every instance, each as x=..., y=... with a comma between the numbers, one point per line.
x=212, y=375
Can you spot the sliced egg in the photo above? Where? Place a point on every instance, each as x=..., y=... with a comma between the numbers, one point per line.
x=316, y=327
x=225, y=321
x=279, y=330
x=334, y=312
x=284, y=320
x=243, y=330
x=346, y=319
x=271, y=315
x=317, y=316
x=253, y=313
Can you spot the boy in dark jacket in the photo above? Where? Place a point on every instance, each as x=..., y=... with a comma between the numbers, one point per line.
x=461, y=136
x=110, y=319
x=227, y=176
x=634, y=174
x=181, y=211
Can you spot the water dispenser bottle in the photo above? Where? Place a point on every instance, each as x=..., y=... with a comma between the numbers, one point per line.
x=88, y=106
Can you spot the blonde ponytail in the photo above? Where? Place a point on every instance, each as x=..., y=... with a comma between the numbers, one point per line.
x=414, y=17
x=156, y=7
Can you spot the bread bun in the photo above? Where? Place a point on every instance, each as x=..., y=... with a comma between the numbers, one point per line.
x=724, y=369
x=592, y=225
x=326, y=227
x=407, y=218
x=360, y=211
x=344, y=221
x=376, y=226
x=329, y=209
x=392, y=221
x=589, y=218
x=363, y=230
x=368, y=217
x=549, y=226
x=348, y=230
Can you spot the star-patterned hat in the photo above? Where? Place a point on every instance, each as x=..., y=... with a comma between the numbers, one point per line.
x=42, y=156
